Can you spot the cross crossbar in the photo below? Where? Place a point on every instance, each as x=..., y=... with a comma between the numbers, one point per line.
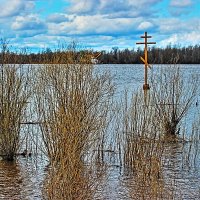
x=145, y=36
x=145, y=43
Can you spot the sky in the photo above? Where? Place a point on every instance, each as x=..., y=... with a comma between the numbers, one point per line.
x=99, y=24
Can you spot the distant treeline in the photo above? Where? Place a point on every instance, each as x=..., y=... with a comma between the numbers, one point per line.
x=178, y=55
x=184, y=55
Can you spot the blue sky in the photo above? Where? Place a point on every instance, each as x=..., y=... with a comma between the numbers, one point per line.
x=99, y=24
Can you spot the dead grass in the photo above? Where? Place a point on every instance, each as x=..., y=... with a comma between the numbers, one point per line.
x=73, y=104
x=173, y=95
x=14, y=95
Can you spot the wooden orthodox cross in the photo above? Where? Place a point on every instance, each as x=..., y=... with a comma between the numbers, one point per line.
x=145, y=59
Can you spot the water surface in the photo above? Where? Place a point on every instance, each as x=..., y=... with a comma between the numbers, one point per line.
x=181, y=173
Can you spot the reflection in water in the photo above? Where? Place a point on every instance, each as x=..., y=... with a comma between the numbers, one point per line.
x=20, y=180
x=180, y=174
x=180, y=177
x=10, y=181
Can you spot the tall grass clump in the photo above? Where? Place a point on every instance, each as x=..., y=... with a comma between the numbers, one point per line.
x=73, y=104
x=14, y=95
x=173, y=94
x=140, y=146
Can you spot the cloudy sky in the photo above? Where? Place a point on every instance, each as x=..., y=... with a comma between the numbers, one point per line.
x=99, y=24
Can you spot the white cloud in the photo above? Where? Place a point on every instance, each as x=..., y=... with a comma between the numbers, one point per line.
x=97, y=24
x=29, y=22
x=28, y=26
x=176, y=31
x=10, y=8
x=59, y=18
x=180, y=3
x=174, y=25
x=142, y=3
x=145, y=25
x=93, y=7
x=82, y=6
x=192, y=38
x=182, y=7
x=173, y=39
x=183, y=39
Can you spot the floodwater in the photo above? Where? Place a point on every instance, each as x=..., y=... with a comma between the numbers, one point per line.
x=23, y=179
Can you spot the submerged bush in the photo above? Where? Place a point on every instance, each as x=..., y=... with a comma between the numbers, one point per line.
x=14, y=95
x=73, y=105
x=172, y=95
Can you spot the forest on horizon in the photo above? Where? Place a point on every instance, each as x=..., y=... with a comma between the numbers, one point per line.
x=168, y=55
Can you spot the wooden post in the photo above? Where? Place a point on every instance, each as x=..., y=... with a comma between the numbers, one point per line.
x=145, y=60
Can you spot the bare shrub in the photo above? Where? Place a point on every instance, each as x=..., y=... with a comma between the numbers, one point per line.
x=140, y=145
x=73, y=104
x=14, y=95
x=73, y=180
x=173, y=94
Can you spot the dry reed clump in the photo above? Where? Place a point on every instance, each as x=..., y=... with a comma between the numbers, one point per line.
x=73, y=181
x=14, y=95
x=172, y=94
x=141, y=147
x=73, y=103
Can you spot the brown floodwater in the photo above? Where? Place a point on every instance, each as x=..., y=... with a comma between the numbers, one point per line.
x=21, y=179
x=179, y=179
